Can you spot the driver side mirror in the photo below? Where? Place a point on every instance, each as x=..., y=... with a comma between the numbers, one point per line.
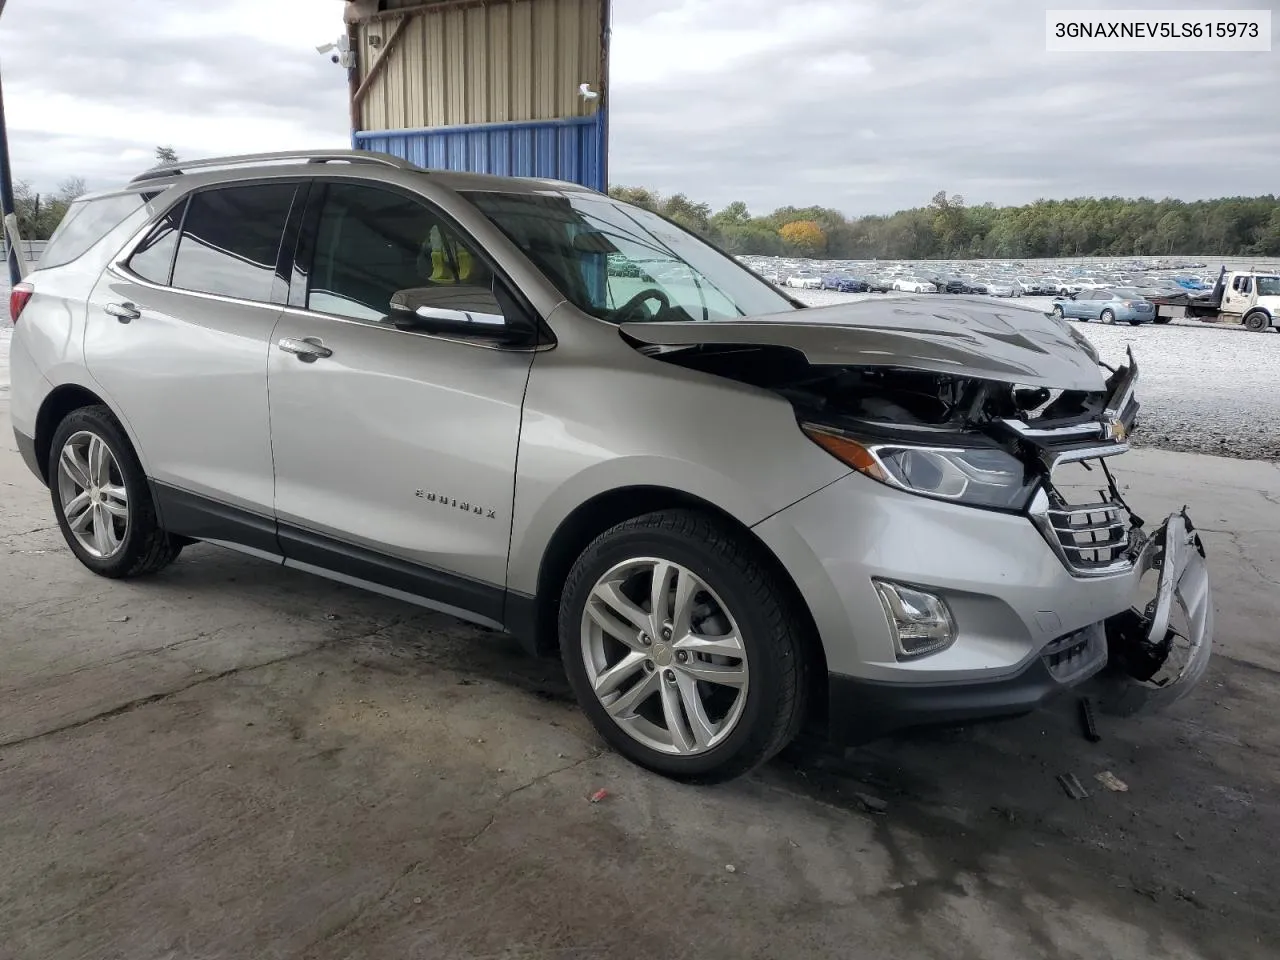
x=455, y=310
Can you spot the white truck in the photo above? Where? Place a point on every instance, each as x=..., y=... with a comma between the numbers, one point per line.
x=1249, y=297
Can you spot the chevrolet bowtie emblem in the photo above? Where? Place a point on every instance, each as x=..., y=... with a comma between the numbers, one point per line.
x=1115, y=430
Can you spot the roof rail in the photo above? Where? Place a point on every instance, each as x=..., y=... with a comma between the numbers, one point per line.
x=254, y=159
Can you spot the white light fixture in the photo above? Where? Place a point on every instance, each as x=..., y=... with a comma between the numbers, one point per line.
x=920, y=622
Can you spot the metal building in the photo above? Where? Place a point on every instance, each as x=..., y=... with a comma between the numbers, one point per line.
x=492, y=86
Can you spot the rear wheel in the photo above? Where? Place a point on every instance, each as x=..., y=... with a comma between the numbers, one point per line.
x=682, y=647
x=102, y=500
x=1257, y=321
x=1107, y=316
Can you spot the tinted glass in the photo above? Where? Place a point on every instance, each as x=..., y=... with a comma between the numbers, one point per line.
x=622, y=263
x=1269, y=286
x=153, y=258
x=87, y=222
x=230, y=240
x=371, y=244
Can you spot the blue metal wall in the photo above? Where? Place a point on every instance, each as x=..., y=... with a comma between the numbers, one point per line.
x=568, y=149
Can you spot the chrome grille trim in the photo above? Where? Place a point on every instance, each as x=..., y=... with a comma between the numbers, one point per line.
x=1091, y=540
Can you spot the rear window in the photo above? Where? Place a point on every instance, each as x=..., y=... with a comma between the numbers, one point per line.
x=87, y=222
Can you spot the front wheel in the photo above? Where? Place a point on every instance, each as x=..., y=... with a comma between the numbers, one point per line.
x=102, y=500
x=683, y=648
x=1257, y=321
x=1057, y=312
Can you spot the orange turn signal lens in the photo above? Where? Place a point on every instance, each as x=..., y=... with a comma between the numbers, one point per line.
x=846, y=451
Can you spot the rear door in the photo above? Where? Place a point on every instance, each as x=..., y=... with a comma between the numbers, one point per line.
x=177, y=336
x=395, y=450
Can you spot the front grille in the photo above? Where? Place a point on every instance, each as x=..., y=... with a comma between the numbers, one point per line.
x=1092, y=536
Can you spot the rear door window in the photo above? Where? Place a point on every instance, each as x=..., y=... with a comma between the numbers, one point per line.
x=231, y=241
x=87, y=222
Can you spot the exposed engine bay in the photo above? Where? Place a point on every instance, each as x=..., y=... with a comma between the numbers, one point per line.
x=1038, y=425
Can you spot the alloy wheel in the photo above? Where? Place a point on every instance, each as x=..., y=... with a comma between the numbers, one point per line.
x=94, y=499
x=664, y=656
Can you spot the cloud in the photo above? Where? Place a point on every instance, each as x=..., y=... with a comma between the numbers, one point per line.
x=92, y=87
x=938, y=94
x=865, y=105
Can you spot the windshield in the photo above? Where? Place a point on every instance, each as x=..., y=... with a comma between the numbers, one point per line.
x=1269, y=286
x=622, y=263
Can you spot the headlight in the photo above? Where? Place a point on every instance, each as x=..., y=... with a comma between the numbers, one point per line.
x=979, y=477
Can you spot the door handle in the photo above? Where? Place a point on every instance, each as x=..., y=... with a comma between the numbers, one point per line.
x=308, y=349
x=124, y=312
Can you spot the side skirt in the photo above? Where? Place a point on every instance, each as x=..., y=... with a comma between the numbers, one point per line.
x=192, y=515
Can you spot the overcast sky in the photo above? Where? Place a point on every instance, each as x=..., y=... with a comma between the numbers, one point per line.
x=866, y=106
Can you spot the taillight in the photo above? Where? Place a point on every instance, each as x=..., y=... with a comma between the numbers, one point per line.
x=18, y=300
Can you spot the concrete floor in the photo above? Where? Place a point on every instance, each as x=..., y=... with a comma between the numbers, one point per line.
x=232, y=760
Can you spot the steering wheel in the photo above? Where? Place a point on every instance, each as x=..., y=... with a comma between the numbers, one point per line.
x=632, y=305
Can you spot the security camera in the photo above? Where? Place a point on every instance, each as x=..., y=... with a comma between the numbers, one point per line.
x=336, y=59
x=585, y=91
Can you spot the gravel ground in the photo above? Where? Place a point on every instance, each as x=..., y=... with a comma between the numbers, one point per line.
x=1205, y=388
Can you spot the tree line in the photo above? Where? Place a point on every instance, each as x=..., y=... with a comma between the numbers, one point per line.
x=948, y=228
x=39, y=214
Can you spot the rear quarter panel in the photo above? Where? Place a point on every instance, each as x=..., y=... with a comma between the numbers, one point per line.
x=48, y=341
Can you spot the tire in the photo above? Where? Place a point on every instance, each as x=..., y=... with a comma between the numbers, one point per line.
x=1135, y=323
x=132, y=543
x=751, y=720
x=1162, y=320
x=1256, y=322
x=1057, y=312
x=1107, y=316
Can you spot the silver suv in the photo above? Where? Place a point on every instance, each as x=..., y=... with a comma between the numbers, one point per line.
x=536, y=408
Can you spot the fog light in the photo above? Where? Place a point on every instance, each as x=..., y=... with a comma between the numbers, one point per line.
x=920, y=622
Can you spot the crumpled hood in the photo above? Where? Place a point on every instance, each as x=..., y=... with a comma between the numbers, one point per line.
x=964, y=336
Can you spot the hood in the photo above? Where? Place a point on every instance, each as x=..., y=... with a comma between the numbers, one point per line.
x=964, y=336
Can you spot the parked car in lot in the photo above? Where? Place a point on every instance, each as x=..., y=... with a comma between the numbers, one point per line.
x=430, y=385
x=951, y=285
x=1106, y=306
x=804, y=281
x=1037, y=287
x=910, y=285
x=844, y=284
x=999, y=288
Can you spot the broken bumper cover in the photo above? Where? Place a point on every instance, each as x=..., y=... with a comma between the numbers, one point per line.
x=1152, y=664
x=1133, y=661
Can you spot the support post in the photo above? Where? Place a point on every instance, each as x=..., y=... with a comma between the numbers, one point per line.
x=7, y=205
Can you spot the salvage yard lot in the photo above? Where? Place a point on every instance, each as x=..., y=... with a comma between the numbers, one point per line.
x=235, y=760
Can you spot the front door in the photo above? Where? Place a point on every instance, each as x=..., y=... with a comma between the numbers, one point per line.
x=1238, y=295
x=178, y=338
x=395, y=449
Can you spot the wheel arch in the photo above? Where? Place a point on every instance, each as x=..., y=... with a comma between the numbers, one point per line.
x=61, y=400
x=535, y=619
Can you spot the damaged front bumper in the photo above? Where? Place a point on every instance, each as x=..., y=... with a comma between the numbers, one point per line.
x=1151, y=663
